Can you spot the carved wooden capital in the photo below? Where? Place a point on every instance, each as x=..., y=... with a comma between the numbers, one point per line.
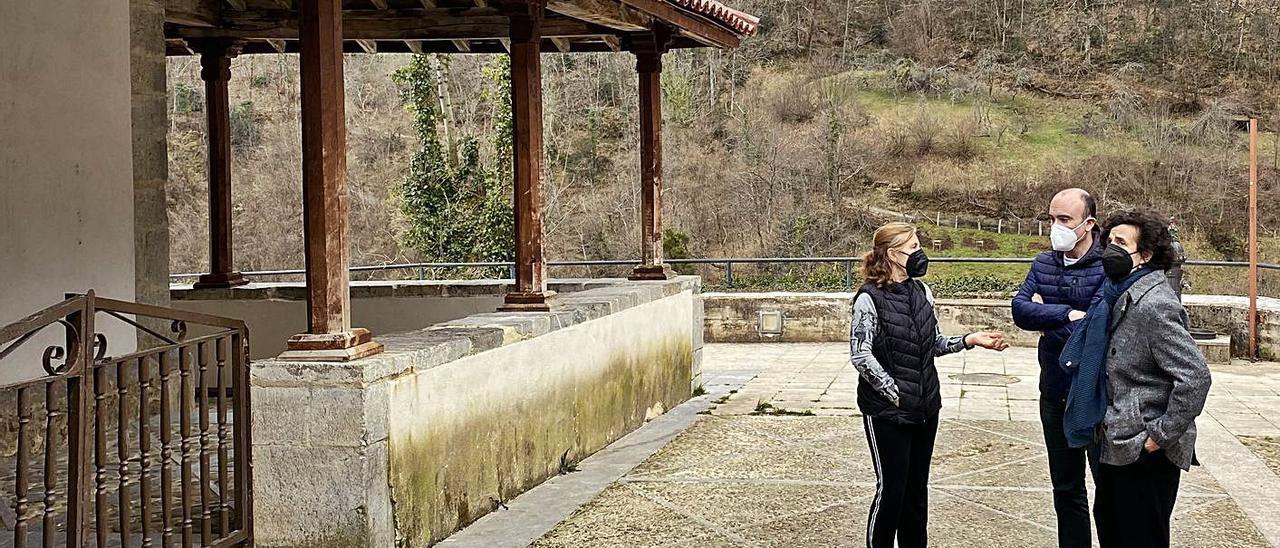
x=215, y=58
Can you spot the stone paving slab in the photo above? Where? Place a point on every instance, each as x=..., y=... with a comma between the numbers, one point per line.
x=763, y=481
x=736, y=478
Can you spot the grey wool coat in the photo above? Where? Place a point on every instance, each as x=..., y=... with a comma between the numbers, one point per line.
x=1157, y=380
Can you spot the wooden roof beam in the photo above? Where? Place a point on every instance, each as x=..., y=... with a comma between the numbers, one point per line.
x=391, y=25
x=237, y=4
x=564, y=45
x=277, y=45
x=193, y=13
x=369, y=46
x=414, y=46
x=693, y=26
x=613, y=42
x=428, y=4
x=462, y=45
x=608, y=13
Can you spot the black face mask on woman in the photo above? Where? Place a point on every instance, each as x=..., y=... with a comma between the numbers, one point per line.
x=1117, y=262
x=917, y=264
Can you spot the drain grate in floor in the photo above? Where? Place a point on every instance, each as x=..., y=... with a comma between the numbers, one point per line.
x=985, y=379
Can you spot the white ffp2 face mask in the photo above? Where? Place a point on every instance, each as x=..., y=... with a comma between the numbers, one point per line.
x=1063, y=238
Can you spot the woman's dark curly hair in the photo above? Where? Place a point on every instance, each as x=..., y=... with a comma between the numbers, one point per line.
x=1153, y=236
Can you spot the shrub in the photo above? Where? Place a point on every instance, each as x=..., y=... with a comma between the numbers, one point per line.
x=187, y=99
x=972, y=285
x=244, y=125
x=959, y=141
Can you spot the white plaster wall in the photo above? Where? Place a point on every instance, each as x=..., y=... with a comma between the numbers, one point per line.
x=66, y=181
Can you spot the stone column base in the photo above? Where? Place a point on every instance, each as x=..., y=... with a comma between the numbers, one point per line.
x=528, y=301
x=332, y=347
x=220, y=280
x=652, y=272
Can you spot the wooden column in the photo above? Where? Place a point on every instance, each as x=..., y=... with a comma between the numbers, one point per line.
x=329, y=335
x=530, y=293
x=648, y=51
x=215, y=70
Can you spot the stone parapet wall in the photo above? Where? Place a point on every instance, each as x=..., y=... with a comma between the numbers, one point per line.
x=825, y=317
x=405, y=447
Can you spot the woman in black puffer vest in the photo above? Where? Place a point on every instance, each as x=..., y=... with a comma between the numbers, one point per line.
x=893, y=342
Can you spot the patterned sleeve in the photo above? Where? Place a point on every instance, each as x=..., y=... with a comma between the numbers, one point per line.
x=862, y=333
x=943, y=344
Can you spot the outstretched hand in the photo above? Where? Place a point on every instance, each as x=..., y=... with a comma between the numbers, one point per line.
x=993, y=340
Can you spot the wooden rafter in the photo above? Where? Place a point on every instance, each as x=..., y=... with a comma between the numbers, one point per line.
x=277, y=45
x=613, y=42
x=414, y=45
x=237, y=4
x=369, y=46
x=379, y=4
x=608, y=13
x=462, y=45
x=506, y=44
x=430, y=4
x=193, y=13
x=564, y=45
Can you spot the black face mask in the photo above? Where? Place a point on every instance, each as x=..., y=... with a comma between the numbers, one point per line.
x=1117, y=262
x=917, y=264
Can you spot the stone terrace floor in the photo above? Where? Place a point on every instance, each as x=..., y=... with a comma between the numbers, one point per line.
x=774, y=455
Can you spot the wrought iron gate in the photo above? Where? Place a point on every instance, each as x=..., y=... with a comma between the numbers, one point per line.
x=149, y=448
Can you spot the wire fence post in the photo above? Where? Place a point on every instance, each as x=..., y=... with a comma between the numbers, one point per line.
x=848, y=275
x=511, y=270
x=728, y=274
x=422, y=273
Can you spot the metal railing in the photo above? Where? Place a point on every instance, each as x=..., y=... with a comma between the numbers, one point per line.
x=147, y=448
x=728, y=263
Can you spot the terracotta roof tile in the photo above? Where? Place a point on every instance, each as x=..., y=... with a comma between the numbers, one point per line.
x=743, y=23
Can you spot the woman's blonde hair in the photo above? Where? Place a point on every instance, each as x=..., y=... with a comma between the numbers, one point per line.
x=877, y=267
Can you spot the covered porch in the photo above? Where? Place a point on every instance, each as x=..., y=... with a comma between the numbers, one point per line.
x=397, y=413
x=322, y=31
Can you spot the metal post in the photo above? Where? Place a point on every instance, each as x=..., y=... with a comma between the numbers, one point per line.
x=1253, y=238
x=848, y=275
x=728, y=274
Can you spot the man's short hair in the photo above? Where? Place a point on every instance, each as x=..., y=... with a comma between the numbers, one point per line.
x=1090, y=206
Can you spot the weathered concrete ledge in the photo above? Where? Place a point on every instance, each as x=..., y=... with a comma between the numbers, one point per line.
x=403, y=448
x=825, y=317
x=297, y=291
x=276, y=311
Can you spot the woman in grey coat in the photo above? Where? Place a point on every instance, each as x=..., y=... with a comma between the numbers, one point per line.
x=1155, y=384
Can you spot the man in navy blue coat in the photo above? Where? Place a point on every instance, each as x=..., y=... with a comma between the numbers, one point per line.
x=1057, y=291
